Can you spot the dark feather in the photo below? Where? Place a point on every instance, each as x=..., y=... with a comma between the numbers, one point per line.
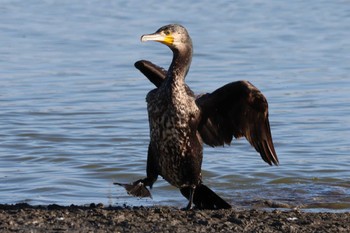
x=154, y=73
x=235, y=110
x=205, y=198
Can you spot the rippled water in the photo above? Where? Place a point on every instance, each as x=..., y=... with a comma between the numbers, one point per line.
x=73, y=117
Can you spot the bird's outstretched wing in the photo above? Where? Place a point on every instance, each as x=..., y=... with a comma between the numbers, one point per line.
x=154, y=73
x=235, y=110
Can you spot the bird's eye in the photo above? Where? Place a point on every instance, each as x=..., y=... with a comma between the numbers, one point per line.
x=166, y=32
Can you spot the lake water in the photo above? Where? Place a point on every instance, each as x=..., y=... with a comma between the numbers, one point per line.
x=73, y=115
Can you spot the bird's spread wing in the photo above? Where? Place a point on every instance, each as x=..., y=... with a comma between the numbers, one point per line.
x=154, y=73
x=235, y=110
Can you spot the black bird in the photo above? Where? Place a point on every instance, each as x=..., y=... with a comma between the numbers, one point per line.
x=180, y=122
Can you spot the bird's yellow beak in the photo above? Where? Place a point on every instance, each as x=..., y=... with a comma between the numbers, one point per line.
x=165, y=39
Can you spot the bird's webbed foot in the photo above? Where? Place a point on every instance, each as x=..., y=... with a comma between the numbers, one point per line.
x=138, y=188
x=190, y=199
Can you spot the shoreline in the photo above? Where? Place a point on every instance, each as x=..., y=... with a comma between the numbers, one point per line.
x=97, y=218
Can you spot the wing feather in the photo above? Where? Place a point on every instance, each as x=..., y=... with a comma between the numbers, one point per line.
x=154, y=73
x=237, y=109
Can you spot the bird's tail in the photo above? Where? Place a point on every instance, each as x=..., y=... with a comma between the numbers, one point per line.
x=205, y=198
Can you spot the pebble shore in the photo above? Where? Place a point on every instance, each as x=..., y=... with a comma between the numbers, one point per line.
x=97, y=218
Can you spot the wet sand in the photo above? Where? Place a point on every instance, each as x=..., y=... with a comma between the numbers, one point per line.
x=97, y=218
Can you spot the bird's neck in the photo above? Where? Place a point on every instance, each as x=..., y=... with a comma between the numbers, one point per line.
x=179, y=66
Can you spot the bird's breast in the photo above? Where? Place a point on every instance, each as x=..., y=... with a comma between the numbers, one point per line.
x=173, y=131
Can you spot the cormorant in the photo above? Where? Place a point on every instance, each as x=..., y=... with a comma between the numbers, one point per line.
x=180, y=122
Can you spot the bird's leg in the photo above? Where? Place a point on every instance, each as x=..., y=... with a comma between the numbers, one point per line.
x=145, y=182
x=138, y=188
x=190, y=203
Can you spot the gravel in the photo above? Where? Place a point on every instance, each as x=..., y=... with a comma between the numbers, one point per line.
x=97, y=218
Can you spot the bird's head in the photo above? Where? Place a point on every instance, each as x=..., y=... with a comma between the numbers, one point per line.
x=174, y=36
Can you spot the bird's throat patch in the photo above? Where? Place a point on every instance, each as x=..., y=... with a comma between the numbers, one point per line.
x=168, y=40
